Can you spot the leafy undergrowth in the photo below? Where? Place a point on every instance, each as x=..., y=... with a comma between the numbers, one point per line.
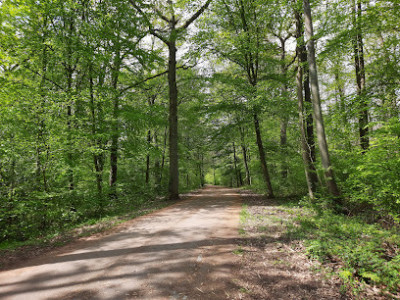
x=272, y=265
x=366, y=256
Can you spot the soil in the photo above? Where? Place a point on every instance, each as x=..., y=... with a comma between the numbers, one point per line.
x=190, y=250
x=274, y=266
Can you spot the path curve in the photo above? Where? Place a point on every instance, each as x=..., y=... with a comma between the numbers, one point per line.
x=181, y=252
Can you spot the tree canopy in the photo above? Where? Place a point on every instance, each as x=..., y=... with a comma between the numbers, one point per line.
x=105, y=104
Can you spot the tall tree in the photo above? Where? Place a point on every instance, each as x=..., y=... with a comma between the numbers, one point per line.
x=169, y=36
x=316, y=101
x=305, y=117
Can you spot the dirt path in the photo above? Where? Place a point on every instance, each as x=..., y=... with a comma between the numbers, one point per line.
x=273, y=265
x=181, y=252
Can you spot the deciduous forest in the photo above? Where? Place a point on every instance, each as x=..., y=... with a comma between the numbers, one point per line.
x=107, y=105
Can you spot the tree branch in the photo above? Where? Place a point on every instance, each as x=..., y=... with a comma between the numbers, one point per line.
x=45, y=78
x=151, y=28
x=152, y=77
x=196, y=15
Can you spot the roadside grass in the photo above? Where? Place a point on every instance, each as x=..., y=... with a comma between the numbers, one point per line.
x=365, y=256
x=362, y=254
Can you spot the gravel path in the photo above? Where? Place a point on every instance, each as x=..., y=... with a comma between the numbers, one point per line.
x=184, y=251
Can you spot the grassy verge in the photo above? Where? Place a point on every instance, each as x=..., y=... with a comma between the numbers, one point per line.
x=364, y=255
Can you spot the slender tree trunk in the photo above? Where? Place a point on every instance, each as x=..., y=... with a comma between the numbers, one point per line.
x=239, y=179
x=305, y=118
x=69, y=73
x=157, y=166
x=163, y=154
x=115, y=127
x=97, y=157
x=318, y=117
x=41, y=124
x=245, y=156
x=148, y=158
x=284, y=120
x=261, y=151
x=283, y=144
x=173, y=122
x=235, y=165
x=308, y=164
x=341, y=94
x=360, y=75
x=202, y=168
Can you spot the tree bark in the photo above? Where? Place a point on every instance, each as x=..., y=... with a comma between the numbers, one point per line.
x=283, y=144
x=98, y=159
x=245, y=156
x=284, y=119
x=360, y=75
x=261, y=151
x=239, y=179
x=115, y=127
x=148, y=158
x=318, y=117
x=173, y=122
x=305, y=119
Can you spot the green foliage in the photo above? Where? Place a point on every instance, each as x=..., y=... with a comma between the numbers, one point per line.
x=364, y=252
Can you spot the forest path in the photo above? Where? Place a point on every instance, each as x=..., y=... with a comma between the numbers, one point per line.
x=184, y=251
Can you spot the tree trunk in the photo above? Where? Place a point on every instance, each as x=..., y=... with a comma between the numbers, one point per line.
x=163, y=154
x=283, y=144
x=245, y=158
x=284, y=120
x=305, y=119
x=360, y=75
x=157, y=166
x=239, y=179
x=98, y=159
x=173, y=122
x=148, y=158
x=115, y=127
x=69, y=72
x=261, y=151
x=318, y=117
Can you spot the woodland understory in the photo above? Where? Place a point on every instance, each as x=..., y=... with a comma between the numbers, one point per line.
x=108, y=104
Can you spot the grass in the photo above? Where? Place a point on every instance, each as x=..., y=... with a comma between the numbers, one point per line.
x=360, y=253
x=365, y=253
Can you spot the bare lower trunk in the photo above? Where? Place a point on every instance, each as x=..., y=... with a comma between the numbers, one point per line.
x=261, y=152
x=246, y=164
x=157, y=166
x=239, y=179
x=283, y=144
x=173, y=124
x=115, y=128
x=163, y=154
x=148, y=158
x=245, y=156
x=318, y=117
x=360, y=76
x=305, y=118
x=98, y=159
x=284, y=120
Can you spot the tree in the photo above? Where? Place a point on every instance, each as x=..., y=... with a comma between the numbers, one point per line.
x=316, y=101
x=170, y=38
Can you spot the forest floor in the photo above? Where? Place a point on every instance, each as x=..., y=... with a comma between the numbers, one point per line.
x=194, y=249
